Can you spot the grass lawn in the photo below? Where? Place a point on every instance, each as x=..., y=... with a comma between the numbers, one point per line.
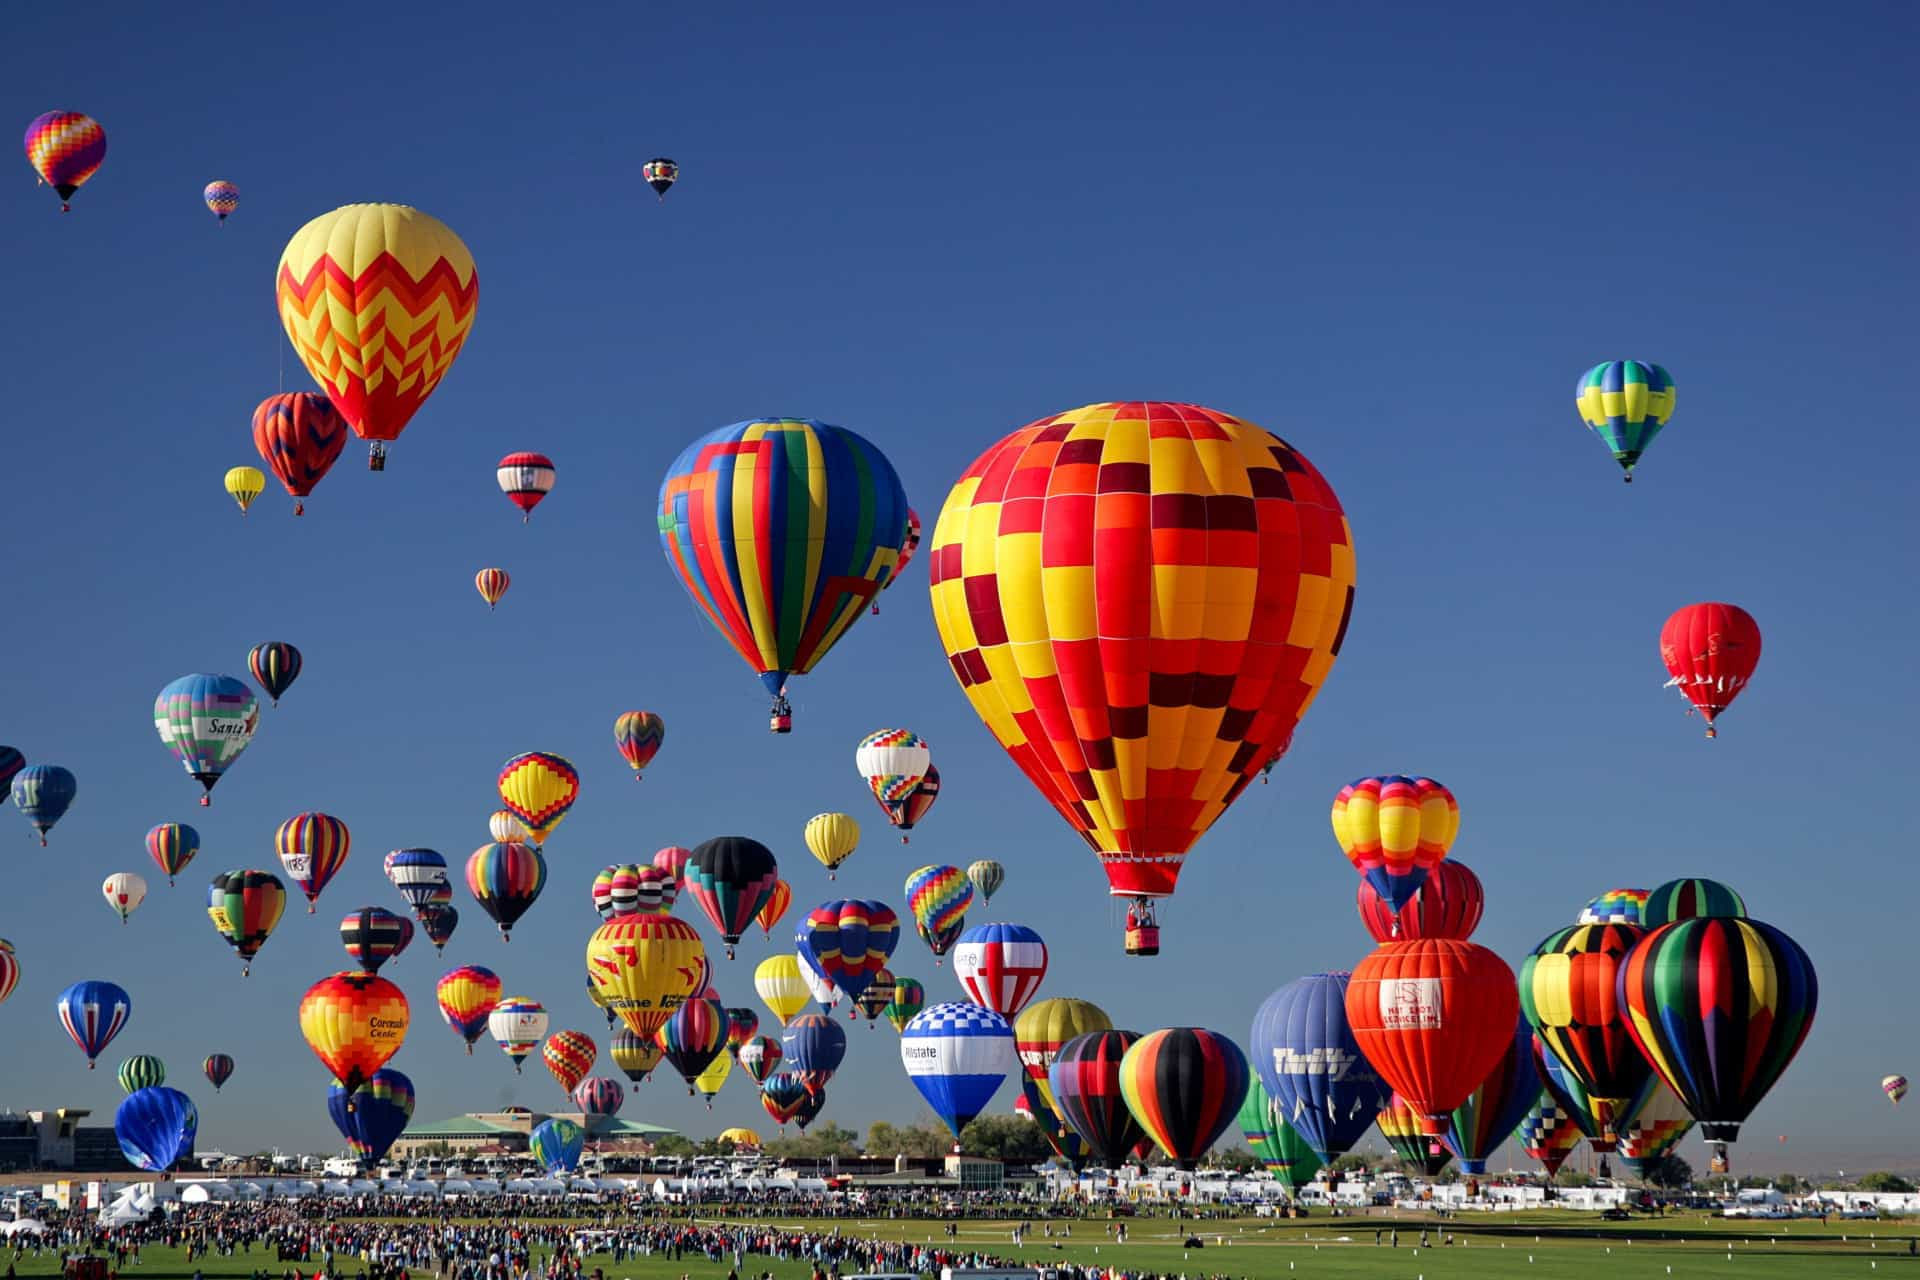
x=1566, y=1245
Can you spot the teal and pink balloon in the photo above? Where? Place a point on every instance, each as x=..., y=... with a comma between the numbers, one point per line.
x=222, y=199
x=43, y=792
x=206, y=721
x=782, y=531
x=505, y=879
x=639, y=736
x=557, y=1144
x=172, y=845
x=275, y=666
x=155, y=1127
x=65, y=148
x=1492, y=1111
x=1625, y=403
x=731, y=877
x=93, y=1012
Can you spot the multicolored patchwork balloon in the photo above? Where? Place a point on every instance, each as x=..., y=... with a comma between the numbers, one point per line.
x=222, y=199
x=245, y=906
x=353, y=1022
x=569, y=1055
x=206, y=721
x=1615, y=906
x=938, y=897
x=1569, y=992
x=893, y=761
x=539, y=788
x=65, y=148
x=1625, y=403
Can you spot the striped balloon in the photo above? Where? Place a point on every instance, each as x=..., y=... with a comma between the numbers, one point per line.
x=1691, y=900
x=1719, y=1007
x=1395, y=830
x=467, y=997
x=93, y=1013
x=814, y=1046
x=275, y=666
x=505, y=879
x=831, y=838
x=782, y=531
x=598, y=1096
x=218, y=1068
x=525, y=478
x=1000, y=966
x=1406, y=1133
x=1625, y=403
x=848, y=941
x=437, y=921
x=245, y=906
x=742, y=1025
x=731, y=877
x=1569, y=993
x=909, y=998
x=1084, y=1079
x=1488, y=1116
x=1570, y=1096
x=172, y=845
x=141, y=1071
x=11, y=763
x=43, y=793
x=783, y=1097
x=693, y=1037
x=312, y=848
x=986, y=876
x=374, y=935
x=9, y=970
x=492, y=584
x=1448, y=904
x=1274, y=1142
x=1184, y=1086
x=636, y=1055
x=760, y=1057
x=776, y=906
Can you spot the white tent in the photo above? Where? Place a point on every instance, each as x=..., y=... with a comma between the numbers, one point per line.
x=203, y=1192
x=23, y=1227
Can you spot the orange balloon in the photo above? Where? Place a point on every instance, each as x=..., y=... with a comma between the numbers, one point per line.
x=1434, y=1016
x=353, y=1022
x=776, y=906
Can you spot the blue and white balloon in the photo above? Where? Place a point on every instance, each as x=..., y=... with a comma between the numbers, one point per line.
x=957, y=1055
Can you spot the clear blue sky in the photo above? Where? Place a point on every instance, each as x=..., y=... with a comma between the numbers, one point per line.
x=1394, y=234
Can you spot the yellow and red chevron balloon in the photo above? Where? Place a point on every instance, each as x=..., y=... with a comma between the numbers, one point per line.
x=1141, y=600
x=538, y=788
x=377, y=300
x=65, y=148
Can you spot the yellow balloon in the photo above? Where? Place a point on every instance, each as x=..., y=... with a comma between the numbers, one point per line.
x=1044, y=1026
x=832, y=838
x=708, y=1082
x=245, y=484
x=646, y=967
x=780, y=987
x=740, y=1137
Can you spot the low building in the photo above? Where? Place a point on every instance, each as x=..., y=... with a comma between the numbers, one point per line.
x=505, y=1133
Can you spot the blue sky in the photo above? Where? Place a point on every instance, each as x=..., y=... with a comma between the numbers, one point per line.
x=1393, y=234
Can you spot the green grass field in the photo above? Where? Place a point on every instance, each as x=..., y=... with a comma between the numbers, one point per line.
x=1566, y=1245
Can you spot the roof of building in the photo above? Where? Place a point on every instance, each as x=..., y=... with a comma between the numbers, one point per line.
x=471, y=1126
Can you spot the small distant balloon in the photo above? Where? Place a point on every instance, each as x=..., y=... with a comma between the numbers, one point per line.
x=525, y=478
x=491, y=584
x=659, y=172
x=244, y=484
x=222, y=199
x=172, y=845
x=639, y=736
x=275, y=666
x=43, y=793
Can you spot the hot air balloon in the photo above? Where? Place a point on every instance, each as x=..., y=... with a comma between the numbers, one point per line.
x=275, y=666
x=505, y=879
x=1652, y=1125
x=155, y=1127
x=519, y=1026
x=299, y=435
x=776, y=906
x=1083, y=1081
x=244, y=907
x=1625, y=402
x=124, y=891
x=909, y=998
x=374, y=935
x=778, y=982
x=893, y=762
x=1403, y=1129
x=312, y=848
x=1274, y=1142
x=11, y=763
x=873, y=1002
x=1568, y=991
x=492, y=583
x=693, y=1037
x=569, y=1055
x=742, y=1025
x=43, y=793
x=938, y=898
x=1184, y=1086
x=1087, y=524
x=915, y=807
x=597, y=1096
x=1895, y=1087
x=1710, y=651
x=206, y=721
x=1496, y=1106
x=909, y=544
x=1615, y=906
x=353, y=1022
x=1691, y=900
x=438, y=921
x=760, y=1057
x=1065, y=1142
x=672, y=859
x=638, y=735
x=1039, y=1032
x=538, y=788
x=986, y=876
x=814, y=1046
x=819, y=985
x=1568, y=1094
x=141, y=1071
x=1432, y=1016
x=782, y=531
x=660, y=173
x=172, y=845
x=1000, y=966
x=635, y=1055
x=377, y=300
x=65, y=148
x=372, y=1117
x=1305, y=1053
x=222, y=199
x=93, y=1013
x=647, y=967
x=243, y=485
x=218, y=1068
x=1395, y=830
x=1447, y=904
x=731, y=877
x=848, y=941
x=467, y=996
x=957, y=1055
x=1719, y=1007
x=831, y=838
x=525, y=478
x=507, y=829
x=709, y=1082
x=1548, y=1134
x=9, y=970
x=742, y=1139
x=783, y=1097
x=557, y=1144
x=421, y=877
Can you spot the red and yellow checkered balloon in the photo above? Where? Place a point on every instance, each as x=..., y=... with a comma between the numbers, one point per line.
x=1141, y=600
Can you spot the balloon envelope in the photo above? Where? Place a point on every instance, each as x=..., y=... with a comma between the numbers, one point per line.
x=1305, y=1053
x=1184, y=1085
x=156, y=1127
x=957, y=1056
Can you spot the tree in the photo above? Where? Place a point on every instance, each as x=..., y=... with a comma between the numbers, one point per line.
x=1670, y=1172
x=1885, y=1182
x=672, y=1144
x=916, y=1140
x=822, y=1140
x=1007, y=1138
x=1238, y=1159
x=1574, y=1178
